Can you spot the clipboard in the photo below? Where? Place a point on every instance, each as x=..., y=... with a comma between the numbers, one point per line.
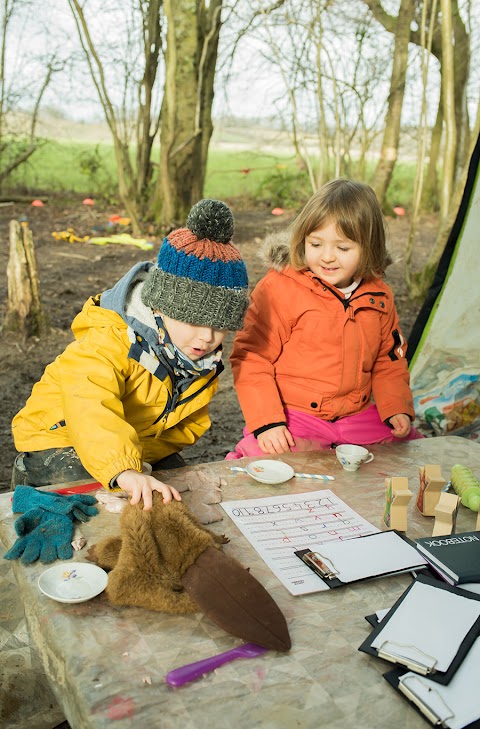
x=382, y=554
x=456, y=705
x=429, y=630
x=375, y=618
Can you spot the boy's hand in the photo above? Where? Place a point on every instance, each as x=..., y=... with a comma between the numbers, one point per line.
x=140, y=486
x=276, y=440
x=401, y=425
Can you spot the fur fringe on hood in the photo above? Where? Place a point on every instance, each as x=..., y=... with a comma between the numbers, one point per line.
x=275, y=253
x=275, y=250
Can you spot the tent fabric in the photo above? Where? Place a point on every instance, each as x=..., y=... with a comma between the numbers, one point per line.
x=444, y=345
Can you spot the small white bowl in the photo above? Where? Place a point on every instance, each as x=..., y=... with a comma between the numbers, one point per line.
x=73, y=581
x=271, y=472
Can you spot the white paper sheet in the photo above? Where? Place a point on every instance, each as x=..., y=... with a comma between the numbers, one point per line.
x=378, y=555
x=460, y=698
x=430, y=620
x=277, y=526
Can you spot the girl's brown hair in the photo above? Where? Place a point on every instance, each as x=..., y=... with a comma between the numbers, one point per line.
x=354, y=210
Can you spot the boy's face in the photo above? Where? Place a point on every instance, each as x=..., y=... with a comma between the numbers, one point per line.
x=194, y=340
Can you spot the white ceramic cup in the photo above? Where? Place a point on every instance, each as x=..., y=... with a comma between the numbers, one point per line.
x=351, y=456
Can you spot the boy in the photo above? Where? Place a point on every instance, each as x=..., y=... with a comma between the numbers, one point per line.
x=133, y=388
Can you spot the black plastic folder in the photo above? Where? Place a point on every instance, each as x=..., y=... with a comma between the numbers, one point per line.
x=456, y=706
x=338, y=563
x=429, y=630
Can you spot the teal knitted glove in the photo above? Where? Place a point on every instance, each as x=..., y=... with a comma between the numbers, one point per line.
x=42, y=535
x=79, y=506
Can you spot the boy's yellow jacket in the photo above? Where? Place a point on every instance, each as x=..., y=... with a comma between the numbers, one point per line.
x=106, y=405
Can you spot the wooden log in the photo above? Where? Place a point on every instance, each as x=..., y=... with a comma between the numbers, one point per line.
x=21, y=199
x=25, y=313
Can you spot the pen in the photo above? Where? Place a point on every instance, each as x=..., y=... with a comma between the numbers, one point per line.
x=318, y=476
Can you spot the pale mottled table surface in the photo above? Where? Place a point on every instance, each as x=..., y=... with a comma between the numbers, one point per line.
x=97, y=656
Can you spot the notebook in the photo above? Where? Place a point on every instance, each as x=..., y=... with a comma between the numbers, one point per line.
x=429, y=630
x=455, y=706
x=457, y=556
x=374, y=555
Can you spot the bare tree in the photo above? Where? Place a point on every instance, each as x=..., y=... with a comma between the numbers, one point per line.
x=127, y=117
x=426, y=45
x=391, y=135
x=461, y=66
x=305, y=43
x=193, y=28
x=448, y=97
x=18, y=141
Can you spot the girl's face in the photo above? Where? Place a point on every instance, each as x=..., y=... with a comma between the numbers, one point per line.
x=331, y=256
x=193, y=340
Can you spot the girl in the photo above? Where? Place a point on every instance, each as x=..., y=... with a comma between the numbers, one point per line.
x=321, y=335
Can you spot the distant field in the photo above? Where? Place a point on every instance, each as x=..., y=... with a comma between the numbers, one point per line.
x=89, y=169
x=252, y=163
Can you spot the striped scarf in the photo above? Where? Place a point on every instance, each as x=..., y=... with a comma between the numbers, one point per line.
x=165, y=359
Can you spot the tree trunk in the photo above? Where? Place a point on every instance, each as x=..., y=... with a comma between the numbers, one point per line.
x=461, y=68
x=391, y=136
x=193, y=28
x=25, y=314
x=430, y=191
x=147, y=126
x=448, y=94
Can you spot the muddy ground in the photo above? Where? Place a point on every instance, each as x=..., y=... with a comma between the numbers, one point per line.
x=71, y=272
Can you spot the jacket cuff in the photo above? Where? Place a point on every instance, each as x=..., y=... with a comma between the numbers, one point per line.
x=257, y=432
x=109, y=474
x=388, y=423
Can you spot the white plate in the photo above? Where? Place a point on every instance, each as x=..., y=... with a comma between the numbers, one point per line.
x=270, y=471
x=73, y=581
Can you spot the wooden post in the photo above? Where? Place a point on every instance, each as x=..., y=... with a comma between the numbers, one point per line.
x=25, y=314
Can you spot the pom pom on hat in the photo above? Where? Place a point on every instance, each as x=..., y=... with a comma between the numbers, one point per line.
x=211, y=219
x=200, y=277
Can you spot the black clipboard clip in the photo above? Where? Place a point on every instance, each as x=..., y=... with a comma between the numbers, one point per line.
x=432, y=714
x=319, y=564
x=410, y=656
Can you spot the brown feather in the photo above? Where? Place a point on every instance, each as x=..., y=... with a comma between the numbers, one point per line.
x=231, y=597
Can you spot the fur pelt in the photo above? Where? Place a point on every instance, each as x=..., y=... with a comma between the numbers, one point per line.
x=166, y=560
x=154, y=550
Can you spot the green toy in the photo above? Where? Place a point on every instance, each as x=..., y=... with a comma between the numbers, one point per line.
x=466, y=485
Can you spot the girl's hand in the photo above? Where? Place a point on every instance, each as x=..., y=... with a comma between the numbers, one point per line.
x=140, y=486
x=276, y=440
x=401, y=425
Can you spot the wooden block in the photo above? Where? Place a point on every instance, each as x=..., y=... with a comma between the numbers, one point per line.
x=431, y=486
x=446, y=514
x=397, y=498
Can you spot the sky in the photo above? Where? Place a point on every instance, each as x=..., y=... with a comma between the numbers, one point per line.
x=253, y=90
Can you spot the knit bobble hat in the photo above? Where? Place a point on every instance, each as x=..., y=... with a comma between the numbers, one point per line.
x=200, y=277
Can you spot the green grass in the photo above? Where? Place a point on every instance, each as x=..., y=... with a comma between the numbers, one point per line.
x=235, y=174
x=76, y=167
x=255, y=176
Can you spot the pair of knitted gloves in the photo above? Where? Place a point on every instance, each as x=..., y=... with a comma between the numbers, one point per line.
x=45, y=529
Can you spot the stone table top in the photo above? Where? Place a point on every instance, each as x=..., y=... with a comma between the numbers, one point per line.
x=107, y=665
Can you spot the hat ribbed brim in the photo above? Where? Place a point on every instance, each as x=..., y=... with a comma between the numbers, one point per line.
x=195, y=302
